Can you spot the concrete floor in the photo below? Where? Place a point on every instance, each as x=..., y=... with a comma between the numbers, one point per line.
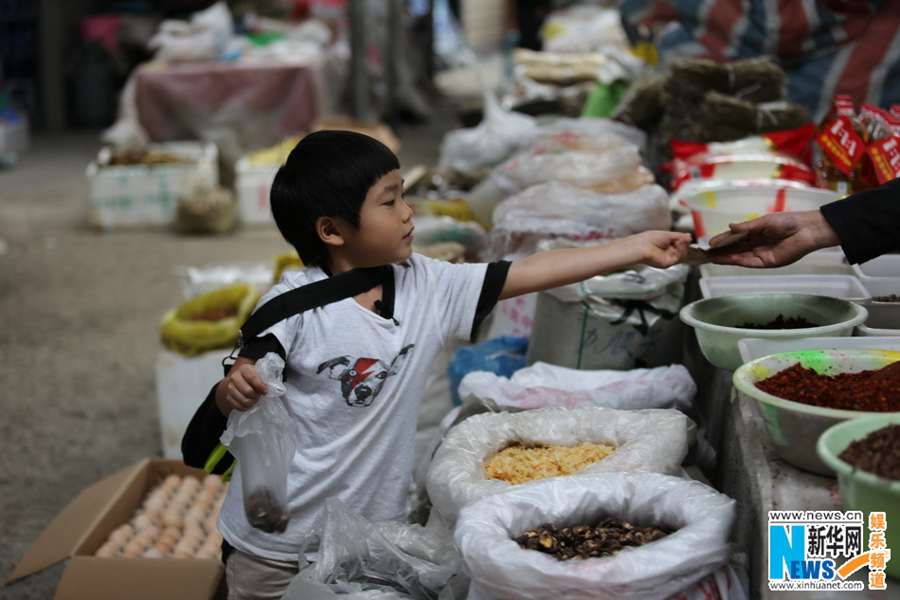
x=79, y=312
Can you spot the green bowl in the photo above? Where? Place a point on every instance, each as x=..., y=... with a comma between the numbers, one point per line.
x=714, y=320
x=861, y=490
x=794, y=428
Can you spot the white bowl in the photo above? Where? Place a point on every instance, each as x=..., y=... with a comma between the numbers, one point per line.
x=714, y=321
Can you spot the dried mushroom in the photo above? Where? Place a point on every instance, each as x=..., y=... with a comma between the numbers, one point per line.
x=586, y=541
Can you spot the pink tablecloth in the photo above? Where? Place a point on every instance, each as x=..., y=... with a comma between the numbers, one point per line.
x=240, y=107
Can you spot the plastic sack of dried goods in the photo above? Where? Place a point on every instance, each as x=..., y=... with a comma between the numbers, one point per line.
x=653, y=440
x=544, y=386
x=264, y=440
x=364, y=557
x=593, y=127
x=208, y=321
x=500, y=133
x=699, y=518
x=610, y=321
x=558, y=210
x=616, y=170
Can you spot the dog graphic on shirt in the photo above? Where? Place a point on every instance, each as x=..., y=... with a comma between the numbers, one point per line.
x=362, y=379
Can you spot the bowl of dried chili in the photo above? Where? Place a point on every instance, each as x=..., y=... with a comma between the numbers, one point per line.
x=721, y=322
x=801, y=394
x=865, y=454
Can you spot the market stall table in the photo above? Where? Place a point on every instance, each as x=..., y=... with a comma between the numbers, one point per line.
x=238, y=106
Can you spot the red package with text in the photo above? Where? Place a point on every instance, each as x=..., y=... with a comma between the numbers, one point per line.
x=885, y=157
x=841, y=144
x=794, y=142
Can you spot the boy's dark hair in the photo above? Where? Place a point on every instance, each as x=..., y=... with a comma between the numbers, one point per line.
x=327, y=174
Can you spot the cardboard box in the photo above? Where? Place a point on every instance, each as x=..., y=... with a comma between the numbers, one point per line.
x=82, y=527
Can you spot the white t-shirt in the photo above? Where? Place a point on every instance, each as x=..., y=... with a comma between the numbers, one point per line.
x=354, y=383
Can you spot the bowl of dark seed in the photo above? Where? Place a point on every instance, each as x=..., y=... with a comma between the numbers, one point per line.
x=720, y=322
x=865, y=454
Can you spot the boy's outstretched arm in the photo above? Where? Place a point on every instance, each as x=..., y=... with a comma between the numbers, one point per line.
x=553, y=268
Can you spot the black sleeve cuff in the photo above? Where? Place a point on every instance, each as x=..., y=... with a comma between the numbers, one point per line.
x=258, y=347
x=494, y=280
x=867, y=222
x=203, y=433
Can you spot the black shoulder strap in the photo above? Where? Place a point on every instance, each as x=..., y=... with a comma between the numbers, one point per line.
x=320, y=293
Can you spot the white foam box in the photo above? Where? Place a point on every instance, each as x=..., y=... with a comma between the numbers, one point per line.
x=887, y=267
x=753, y=348
x=128, y=195
x=253, y=185
x=182, y=384
x=836, y=286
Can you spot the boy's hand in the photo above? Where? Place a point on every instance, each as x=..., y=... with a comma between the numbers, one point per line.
x=241, y=389
x=660, y=249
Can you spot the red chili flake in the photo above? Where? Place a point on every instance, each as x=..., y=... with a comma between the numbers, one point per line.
x=847, y=391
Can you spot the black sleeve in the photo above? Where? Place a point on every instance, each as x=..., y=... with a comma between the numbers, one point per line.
x=208, y=424
x=494, y=280
x=867, y=223
x=202, y=434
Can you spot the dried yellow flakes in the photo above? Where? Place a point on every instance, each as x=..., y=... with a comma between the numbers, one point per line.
x=519, y=464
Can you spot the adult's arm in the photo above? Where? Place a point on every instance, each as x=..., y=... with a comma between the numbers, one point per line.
x=867, y=223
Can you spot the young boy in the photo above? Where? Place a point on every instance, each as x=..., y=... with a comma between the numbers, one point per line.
x=356, y=368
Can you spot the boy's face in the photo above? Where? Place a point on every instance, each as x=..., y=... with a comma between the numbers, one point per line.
x=385, y=225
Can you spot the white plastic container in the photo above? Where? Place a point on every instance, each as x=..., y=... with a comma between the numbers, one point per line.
x=148, y=194
x=254, y=184
x=753, y=348
x=836, y=286
x=883, y=267
x=714, y=209
x=13, y=139
x=182, y=383
x=821, y=262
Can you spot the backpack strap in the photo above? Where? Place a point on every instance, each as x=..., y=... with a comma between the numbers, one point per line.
x=281, y=307
x=313, y=295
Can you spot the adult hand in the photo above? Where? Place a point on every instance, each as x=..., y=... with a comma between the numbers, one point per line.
x=775, y=240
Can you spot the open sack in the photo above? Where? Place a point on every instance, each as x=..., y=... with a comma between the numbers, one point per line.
x=550, y=386
x=698, y=547
x=653, y=440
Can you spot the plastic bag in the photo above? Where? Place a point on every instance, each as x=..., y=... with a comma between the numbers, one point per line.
x=435, y=230
x=264, y=440
x=203, y=38
x=616, y=170
x=501, y=569
x=209, y=321
x=549, y=386
x=584, y=29
x=501, y=356
x=557, y=209
x=609, y=321
x=593, y=127
x=500, y=133
x=206, y=278
x=652, y=440
x=357, y=555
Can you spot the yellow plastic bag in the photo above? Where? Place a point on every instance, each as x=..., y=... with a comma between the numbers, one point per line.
x=209, y=321
x=284, y=262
